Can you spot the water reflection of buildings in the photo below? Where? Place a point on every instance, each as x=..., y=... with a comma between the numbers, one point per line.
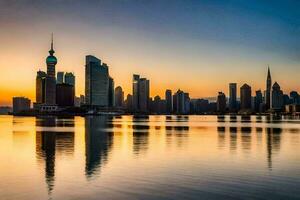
x=245, y=131
x=176, y=131
x=140, y=133
x=98, y=142
x=49, y=142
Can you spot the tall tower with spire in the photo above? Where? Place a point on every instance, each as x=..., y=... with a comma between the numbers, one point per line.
x=268, y=90
x=51, y=61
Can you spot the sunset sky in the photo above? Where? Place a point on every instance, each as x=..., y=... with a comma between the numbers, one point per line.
x=198, y=46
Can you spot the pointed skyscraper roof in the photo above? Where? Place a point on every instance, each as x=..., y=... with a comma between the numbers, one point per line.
x=51, y=50
x=269, y=73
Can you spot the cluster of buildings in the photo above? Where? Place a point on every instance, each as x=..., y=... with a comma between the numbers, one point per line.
x=272, y=100
x=55, y=92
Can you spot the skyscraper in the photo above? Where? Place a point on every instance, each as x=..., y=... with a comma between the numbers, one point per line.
x=221, y=102
x=169, y=101
x=69, y=78
x=40, y=87
x=141, y=93
x=96, y=82
x=60, y=77
x=277, y=97
x=144, y=94
x=50, y=92
x=111, y=92
x=135, y=91
x=245, y=97
x=258, y=101
x=119, y=97
x=232, y=97
x=268, y=90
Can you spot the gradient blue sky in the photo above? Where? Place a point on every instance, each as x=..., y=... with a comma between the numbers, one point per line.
x=198, y=46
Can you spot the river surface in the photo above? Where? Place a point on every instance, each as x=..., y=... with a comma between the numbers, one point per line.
x=154, y=157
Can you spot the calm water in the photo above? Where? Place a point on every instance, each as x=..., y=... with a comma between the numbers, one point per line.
x=156, y=157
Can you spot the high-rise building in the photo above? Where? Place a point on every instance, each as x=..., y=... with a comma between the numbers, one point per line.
x=179, y=100
x=119, y=97
x=129, y=102
x=258, y=101
x=169, y=101
x=60, y=77
x=20, y=104
x=69, y=78
x=111, y=92
x=40, y=87
x=141, y=93
x=64, y=94
x=277, y=97
x=268, y=90
x=144, y=94
x=135, y=91
x=221, y=102
x=50, y=92
x=232, y=96
x=96, y=82
x=245, y=97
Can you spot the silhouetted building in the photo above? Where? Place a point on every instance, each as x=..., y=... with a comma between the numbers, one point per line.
x=141, y=93
x=277, y=97
x=20, y=104
x=129, y=102
x=96, y=82
x=268, y=90
x=245, y=97
x=65, y=94
x=221, y=102
x=50, y=92
x=232, y=97
x=169, y=101
x=258, y=101
x=40, y=87
x=69, y=78
x=295, y=99
x=119, y=97
x=199, y=106
x=60, y=77
x=180, y=102
x=111, y=92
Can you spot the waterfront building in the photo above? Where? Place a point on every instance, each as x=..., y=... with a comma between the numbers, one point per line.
x=60, y=77
x=258, y=101
x=21, y=104
x=96, y=82
x=221, y=102
x=40, y=87
x=119, y=97
x=111, y=92
x=169, y=101
x=50, y=91
x=65, y=95
x=232, y=96
x=129, y=103
x=268, y=90
x=141, y=93
x=245, y=92
x=277, y=97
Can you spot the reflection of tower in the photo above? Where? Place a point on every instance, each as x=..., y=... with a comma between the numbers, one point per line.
x=50, y=93
x=273, y=143
x=50, y=142
x=97, y=143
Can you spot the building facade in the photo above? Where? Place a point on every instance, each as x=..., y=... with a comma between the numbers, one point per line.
x=245, y=92
x=232, y=96
x=277, y=97
x=268, y=90
x=169, y=101
x=96, y=82
x=21, y=104
x=119, y=97
x=221, y=102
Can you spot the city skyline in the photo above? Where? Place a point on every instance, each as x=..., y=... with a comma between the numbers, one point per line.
x=194, y=61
